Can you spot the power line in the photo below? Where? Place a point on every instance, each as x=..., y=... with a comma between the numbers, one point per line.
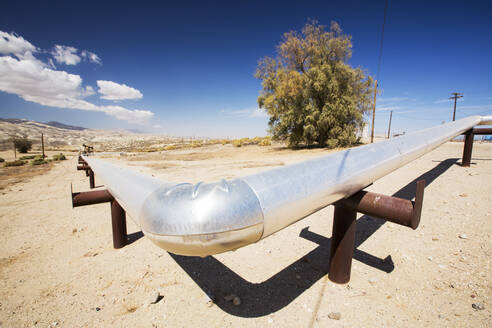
x=377, y=73
x=382, y=39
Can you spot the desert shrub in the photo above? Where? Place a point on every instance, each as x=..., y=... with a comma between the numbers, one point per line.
x=38, y=161
x=256, y=140
x=265, y=142
x=15, y=163
x=237, y=143
x=24, y=158
x=59, y=157
x=246, y=141
x=196, y=144
x=225, y=141
x=23, y=145
x=170, y=147
x=2, y=160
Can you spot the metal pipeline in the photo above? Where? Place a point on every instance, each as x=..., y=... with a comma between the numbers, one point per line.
x=210, y=218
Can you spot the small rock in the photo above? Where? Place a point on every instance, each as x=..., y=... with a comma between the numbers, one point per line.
x=372, y=280
x=98, y=309
x=334, y=315
x=463, y=195
x=74, y=230
x=154, y=298
x=236, y=301
x=463, y=236
x=430, y=258
x=209, y=301
x=229, y=297
x=90, y=254
x=478, y=306
x=435, y=239
x=473, y=296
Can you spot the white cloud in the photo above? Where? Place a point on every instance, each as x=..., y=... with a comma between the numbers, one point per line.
x=65, y=55
x=248, y=112
x=386, y=108
x=15, y=45
x=90, y=56
x=393, y=99
x=115, y=91
x=35, y=81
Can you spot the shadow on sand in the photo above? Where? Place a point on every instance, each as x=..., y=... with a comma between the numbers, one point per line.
x=259, y=299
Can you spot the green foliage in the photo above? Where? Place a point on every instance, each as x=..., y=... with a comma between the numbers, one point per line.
x=27, y=157
x=15, y=163
x=2, y=160
x=38, y=161
x=310, y=92
x=59, y=157
x=22, y=144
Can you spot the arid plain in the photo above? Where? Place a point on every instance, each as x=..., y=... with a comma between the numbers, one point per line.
x=58, y=267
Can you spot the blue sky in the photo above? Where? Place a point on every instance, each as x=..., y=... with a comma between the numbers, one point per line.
x=186, y=68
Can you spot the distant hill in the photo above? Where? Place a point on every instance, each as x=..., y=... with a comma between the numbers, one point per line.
x=50, y=123
x=63, y=136
x=65, y=126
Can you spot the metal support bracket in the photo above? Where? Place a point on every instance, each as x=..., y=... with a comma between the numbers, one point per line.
x=393, y=209
x=118, y=215
x=468, y=147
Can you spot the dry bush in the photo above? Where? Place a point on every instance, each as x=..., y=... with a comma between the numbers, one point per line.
x=237, y=143
x=14, y=163
x=170, y=147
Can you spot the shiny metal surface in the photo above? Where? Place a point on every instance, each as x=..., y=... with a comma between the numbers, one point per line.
x=290, y=193
x=211, y=218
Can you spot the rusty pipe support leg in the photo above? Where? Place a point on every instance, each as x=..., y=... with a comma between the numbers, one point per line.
x=92, y=184
x=342, y=243
x=118, y=222
x=90, y=197
x=118, y=215
x=84, y=167
x=467, y=149
x=397, y=210
x=394, y=209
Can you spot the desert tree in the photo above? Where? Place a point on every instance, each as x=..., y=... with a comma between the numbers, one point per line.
x=310, y=92
x=22, y=144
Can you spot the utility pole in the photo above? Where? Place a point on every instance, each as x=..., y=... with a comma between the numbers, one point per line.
x=455, y=96
x=374, y=109
x=42, y=144
x=389, y=127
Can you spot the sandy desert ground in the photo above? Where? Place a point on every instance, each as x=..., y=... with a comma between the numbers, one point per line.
x=58, y=267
